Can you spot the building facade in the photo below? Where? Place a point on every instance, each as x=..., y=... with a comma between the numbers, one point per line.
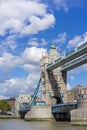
x=77, y=93
x=20, y=101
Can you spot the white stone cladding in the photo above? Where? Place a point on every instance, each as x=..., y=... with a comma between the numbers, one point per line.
x=80, y=114
x=53, y=83
x=39, y=112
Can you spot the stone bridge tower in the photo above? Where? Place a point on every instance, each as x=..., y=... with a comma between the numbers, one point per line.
x=53, y=83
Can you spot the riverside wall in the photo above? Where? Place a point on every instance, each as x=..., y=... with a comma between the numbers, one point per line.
x=80, y=114
x=44, y=113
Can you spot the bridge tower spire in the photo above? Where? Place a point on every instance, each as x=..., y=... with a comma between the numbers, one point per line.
x=53, y=82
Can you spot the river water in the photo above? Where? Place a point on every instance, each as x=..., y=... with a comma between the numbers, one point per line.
x=15, y=124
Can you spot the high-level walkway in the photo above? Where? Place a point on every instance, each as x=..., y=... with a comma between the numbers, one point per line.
x=72, y=56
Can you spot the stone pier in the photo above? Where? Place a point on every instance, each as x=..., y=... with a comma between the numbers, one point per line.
x=80, y=114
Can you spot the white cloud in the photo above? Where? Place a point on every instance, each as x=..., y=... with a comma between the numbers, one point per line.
x=38, y=24
x=8, y=43
x=16, y=86
x=68, y=86
x=77, y=40
x=8, y=60
x=33, y=42
x=8, y=63
x=36, y=42
x=3, y=97
x=61, y=38
x=29, y=61
x=24, y=16
x=61, y=4
x=32, y=55
x=68, y=4
x=72, y=77
x=43, y=42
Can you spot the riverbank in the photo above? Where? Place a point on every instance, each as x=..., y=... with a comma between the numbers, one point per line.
x=79, y=123
x=8, y=117
x=38, y=119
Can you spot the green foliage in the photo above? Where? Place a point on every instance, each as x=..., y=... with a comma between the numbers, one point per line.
x=4, y=105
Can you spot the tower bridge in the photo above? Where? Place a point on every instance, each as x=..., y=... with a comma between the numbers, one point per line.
x=54, y=78
x=54, y=73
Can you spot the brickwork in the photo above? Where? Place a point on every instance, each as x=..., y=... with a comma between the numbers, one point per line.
x=78, y=92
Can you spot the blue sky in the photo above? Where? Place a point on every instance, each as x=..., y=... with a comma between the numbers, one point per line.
x=28, y=28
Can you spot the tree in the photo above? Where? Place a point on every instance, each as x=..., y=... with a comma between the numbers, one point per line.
x=4, y=105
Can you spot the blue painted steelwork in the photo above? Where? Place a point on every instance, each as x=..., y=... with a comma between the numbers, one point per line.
x=40, y=103
x=63, y=107
x=75, y=63
x=27, y=108
x=79, y=51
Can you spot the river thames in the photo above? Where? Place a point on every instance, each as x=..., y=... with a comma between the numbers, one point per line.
x=15, y=124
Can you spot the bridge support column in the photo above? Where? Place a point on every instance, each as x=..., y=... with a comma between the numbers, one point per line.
x=53, y=83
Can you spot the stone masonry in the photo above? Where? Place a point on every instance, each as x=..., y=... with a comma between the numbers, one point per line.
x=80, y=114
x=53, y=82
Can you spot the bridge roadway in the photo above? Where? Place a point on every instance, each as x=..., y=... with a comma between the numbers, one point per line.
x=79, y=51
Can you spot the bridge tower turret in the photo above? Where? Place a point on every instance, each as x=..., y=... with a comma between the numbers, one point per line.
x=53, y=82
